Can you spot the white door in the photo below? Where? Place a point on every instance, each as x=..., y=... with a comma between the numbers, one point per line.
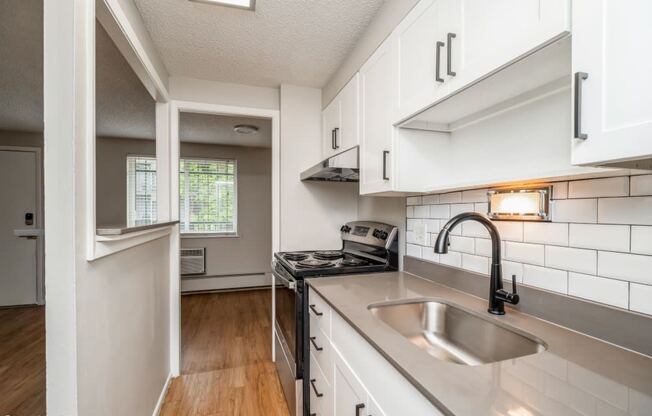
x=611, y=45
x=377, y=86
x=482, y=36
x=419, y=46
x=18, y=187
x=349, y=397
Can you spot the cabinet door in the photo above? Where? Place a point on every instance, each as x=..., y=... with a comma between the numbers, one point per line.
x=349, y=396
x=417, y=38
x=611, y=43
x=377, y=86
x=482, y=36
x=349, y=132
x=330, y=122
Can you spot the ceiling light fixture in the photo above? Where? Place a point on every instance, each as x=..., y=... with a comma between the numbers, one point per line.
x=245, y=129
x=240, y=4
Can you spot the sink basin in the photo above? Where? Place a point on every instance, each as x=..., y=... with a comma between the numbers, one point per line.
x=450, y=333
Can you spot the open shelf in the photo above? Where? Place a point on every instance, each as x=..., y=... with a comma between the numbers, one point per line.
x=544, y=71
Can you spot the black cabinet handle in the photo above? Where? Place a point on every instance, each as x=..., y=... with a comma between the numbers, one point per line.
x=314, y=343
x=449, y=54
x=579, y=78
x=312, y=308
x=438, y=61
x=333, y=139
x=337, y=133
x=358, y=407
x=312, y=383
x=385, y=154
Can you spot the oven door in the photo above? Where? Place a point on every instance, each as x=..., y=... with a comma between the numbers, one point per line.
x=289, y=335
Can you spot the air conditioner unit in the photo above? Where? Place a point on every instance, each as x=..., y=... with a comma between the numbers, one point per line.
x=193, y=261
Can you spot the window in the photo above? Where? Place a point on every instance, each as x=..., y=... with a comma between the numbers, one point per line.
x=207, y=191
x=141, y=190
x=207, y=194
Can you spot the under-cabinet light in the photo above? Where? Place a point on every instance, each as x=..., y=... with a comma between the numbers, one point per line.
x=526, y=204
x=240, y=4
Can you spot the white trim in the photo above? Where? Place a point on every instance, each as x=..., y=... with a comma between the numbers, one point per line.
x=203, y=284
x=115, y=20
x=39, y=224
x=107, y=245
x=161, y=397
x=178, y=106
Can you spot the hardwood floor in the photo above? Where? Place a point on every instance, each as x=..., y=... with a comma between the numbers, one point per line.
x=227, y=367
x=22, y=361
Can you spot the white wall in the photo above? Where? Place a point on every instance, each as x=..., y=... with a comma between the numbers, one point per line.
x=107, y=321
x=214, y=92
x=311, y=212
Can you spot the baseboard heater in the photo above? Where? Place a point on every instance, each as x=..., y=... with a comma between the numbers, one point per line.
x=193, y=261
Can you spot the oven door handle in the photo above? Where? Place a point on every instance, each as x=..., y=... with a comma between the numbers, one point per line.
x=287, y=281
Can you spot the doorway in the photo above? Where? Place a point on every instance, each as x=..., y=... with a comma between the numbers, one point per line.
x=22, y=288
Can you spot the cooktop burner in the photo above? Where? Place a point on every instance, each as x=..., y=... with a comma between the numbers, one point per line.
x=328, y=255
x=314, y=263
x=295, y=256
x=353, y=261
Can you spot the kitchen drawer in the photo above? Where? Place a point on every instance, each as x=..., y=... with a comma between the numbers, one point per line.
x=321, y=311
x=319, y=405
x=324, y=355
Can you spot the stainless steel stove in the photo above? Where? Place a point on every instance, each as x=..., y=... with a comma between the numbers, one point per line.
x=367, y=247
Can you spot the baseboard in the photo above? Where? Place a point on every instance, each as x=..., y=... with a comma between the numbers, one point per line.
x=205, y=284
x=161, y=398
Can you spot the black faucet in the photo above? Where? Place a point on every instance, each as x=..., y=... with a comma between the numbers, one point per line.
x=497, y=295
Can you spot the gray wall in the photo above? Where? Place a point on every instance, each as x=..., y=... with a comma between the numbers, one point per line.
x=250, y=252
x=111, y=176
x=20, y=138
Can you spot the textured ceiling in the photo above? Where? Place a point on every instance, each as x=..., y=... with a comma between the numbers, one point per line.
x=124, y=107
x=21, y=65
x=301, y=42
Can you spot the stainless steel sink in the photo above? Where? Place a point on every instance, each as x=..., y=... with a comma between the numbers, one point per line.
x=453, y=334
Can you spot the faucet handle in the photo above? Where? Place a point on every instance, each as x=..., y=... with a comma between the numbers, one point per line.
x=513, y=297
x=514, y=284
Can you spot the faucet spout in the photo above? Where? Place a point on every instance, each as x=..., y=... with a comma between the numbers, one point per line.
x=497, y=295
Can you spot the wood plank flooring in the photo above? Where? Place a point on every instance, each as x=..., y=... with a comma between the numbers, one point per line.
x=227, y=367
x=22, y=361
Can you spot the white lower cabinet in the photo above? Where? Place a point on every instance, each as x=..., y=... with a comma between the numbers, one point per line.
x=357, y=380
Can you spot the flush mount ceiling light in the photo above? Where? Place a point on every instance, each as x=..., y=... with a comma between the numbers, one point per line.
x=240, y=4
x=245, y=129
x=526, y=204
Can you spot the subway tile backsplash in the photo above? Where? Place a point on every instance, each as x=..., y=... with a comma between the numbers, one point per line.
x=598, y=246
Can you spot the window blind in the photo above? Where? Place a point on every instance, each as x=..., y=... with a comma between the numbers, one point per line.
x=141, y=190
x=208, y=202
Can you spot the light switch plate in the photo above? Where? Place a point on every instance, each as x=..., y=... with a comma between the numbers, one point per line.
x=420, y=234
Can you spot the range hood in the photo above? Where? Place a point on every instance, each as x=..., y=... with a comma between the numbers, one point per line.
x=342, y=167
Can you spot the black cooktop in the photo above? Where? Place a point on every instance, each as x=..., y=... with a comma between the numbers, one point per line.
x=327, y=263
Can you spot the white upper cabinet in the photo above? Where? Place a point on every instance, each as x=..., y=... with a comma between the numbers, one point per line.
x=377, y=81
x=340, y=120
x=612, y=84
x=418, y=41
x=447, y=45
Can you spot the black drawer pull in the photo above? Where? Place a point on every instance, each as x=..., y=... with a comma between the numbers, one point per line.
x=358, y=407
x=314, y=343
x=312, y=383
x=312, y=308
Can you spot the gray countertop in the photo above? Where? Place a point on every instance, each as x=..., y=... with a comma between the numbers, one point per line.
x=576, y=375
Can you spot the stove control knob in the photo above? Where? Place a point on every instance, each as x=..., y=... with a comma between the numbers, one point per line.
x=345, y=229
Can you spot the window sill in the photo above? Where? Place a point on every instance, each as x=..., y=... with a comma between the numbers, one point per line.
x=108, y=244
x=210, y=235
